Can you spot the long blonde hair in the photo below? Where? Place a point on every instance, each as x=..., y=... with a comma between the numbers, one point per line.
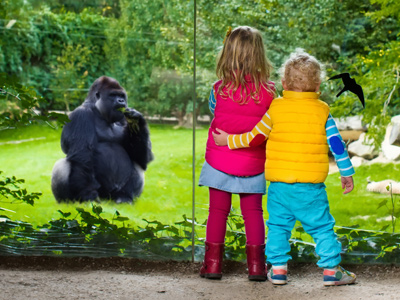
x=243, y=55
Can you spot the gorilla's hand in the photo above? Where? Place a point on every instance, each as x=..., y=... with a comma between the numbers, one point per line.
x=134, y=118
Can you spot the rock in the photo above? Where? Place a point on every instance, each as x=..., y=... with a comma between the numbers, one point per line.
x=394, y=137
x=363, y=148
x=333, y=168
x=350, y=136
x=357, y=161
x=390, y=151
x=380, y=159
x=350, y=123
x=384, y=186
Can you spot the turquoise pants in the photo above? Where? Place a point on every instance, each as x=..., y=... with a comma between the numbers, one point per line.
x=308, y=203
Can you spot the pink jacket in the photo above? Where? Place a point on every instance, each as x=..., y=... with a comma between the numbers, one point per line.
x=232, y=117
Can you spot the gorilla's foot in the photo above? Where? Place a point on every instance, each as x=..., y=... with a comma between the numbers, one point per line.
x=123, y=200
x=86, y=196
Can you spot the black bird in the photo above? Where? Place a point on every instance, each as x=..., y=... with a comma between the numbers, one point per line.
x=351, y=85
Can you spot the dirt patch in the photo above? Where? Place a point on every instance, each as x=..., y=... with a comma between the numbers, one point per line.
x=351, y=135
x=48, y=278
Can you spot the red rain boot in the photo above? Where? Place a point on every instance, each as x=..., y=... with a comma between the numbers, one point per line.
x=212, y=261
x=256, y=262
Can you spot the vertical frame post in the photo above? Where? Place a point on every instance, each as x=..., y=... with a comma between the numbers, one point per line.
x=194, y=128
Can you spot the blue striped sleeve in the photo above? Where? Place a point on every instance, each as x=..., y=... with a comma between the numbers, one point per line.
x=212, y=101
x=338, y=148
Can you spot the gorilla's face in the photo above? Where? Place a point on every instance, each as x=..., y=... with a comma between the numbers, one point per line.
x=110, y=103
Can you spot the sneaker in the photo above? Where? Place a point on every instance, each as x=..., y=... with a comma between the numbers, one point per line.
x=277, y=274
x=338, y=276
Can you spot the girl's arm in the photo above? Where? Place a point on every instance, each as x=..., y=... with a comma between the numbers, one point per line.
x=249, y=139
x=261, y=131
x=212, y=102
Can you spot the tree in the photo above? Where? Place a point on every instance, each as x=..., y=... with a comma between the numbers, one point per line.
x=36, y=44
x=71, y=71
x=103, y=7
x=379, y=73
x=150, y=50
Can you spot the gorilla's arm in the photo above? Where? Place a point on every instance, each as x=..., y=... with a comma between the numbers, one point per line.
x=78, y=141
x=137, y=138
x=79, y=134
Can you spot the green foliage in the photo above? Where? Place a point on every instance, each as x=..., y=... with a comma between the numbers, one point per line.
x=57, y=53
x=388, y=8
x=378, y=74
x=170, y=94
x=381, y=69
x=10, y=189
x=17, y=42
x=393, y=211
x=89, y=234
x=375, y=67
x=61, y=47
x=363, y=246
x=104, y=7
x=72, y=55
x=71, y=71
x=157, y=43
x=18, y=103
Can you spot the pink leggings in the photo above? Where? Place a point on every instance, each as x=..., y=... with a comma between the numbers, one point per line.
x=220, y=206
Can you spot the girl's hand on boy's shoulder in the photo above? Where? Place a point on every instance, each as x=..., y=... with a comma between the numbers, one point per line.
x=347, y=184
x=220, y=138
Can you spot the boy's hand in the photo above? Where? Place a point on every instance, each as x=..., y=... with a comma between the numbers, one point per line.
x=220, y=138
x=347, y=183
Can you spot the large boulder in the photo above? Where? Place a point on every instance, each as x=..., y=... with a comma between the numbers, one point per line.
x=350, y=123
x=389, y=148
x=384, y=187
x=394, y=137
x=381, y=159
x=363, y=148
x=357, y=161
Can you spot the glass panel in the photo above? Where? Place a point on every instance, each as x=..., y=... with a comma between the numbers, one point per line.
x=51, y=54
x=360, y=39
x=59, y=48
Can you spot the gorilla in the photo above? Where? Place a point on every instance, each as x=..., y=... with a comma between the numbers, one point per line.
x=108, y=148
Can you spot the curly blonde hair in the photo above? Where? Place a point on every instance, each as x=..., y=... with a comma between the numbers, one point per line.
x=302, y=72
x=243, y=54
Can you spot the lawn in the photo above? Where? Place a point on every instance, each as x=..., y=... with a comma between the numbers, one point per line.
x=168, y=189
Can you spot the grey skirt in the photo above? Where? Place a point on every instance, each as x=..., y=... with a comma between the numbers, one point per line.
x=221, y=181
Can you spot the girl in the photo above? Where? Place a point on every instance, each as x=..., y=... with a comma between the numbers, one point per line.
x=238, y=101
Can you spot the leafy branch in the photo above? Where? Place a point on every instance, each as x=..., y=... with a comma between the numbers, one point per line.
x=88, y=233
x=392, y=91
x=19, y=104
x=10, y=189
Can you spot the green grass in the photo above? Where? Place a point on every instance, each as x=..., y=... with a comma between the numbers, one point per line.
x=168, y=181
x=168, y=188
x=361, y=207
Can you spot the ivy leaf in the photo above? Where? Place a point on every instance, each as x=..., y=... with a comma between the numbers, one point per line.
x=383, y=203
x=97, y=209
x=121, y=219
x=65, y=215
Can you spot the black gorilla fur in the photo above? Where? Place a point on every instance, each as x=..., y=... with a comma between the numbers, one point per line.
x=107, y=146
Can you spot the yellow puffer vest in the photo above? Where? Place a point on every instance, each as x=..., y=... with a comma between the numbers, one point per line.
x=297, y=148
